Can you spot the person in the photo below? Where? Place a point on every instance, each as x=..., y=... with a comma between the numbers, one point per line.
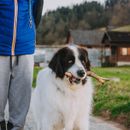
x=18, y=22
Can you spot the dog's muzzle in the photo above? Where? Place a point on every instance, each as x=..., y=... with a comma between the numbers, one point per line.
x=72, y=79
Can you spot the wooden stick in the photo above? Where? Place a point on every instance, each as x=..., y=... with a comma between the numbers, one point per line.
x=93, y=75
x=98, y=78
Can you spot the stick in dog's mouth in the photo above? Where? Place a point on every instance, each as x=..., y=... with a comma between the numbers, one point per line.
x=89, y=73
x=71, y=78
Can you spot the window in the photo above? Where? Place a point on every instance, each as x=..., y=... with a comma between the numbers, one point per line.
x=125, y=51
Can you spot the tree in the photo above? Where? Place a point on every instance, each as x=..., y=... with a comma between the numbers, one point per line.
x=121, y=14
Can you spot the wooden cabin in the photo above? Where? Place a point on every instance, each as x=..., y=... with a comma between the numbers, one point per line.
x=109, y=48
x=119, y=45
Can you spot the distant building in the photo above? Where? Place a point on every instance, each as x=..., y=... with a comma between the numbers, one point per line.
x=119, y=44
x=109, y=48
x=105, y=48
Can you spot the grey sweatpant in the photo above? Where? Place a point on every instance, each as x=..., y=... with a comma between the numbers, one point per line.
x=18, y=93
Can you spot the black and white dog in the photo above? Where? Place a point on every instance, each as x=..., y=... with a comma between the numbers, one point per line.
x=58, y=101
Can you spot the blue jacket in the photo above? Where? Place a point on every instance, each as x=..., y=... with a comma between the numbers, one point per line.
x=17, y=28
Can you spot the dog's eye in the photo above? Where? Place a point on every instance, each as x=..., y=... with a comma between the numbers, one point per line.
x=70, y=61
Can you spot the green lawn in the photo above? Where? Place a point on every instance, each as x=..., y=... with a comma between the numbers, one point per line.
x=36, y=70
x=111, y=100
x=123, y=29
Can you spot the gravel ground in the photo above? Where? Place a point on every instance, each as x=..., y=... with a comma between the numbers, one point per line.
x=95, y=124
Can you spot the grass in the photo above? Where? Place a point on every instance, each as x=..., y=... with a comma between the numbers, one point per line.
x=123, y=29
x=111, y=100
x=36, y=70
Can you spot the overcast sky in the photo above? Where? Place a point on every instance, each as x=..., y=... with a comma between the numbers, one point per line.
x=53, y=4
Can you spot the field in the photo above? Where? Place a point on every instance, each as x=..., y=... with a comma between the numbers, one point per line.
x=123, y=29
x=36, y=70
x=111, y=100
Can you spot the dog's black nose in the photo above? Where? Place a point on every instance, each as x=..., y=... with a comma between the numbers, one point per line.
x=81, y=73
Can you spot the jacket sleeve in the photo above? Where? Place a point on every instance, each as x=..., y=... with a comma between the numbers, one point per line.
x=37, y=11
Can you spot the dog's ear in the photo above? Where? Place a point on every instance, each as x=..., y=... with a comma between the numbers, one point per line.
x=88, y=65
x=56, y=65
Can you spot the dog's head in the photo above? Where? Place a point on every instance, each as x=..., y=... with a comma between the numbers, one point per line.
x=72, y=59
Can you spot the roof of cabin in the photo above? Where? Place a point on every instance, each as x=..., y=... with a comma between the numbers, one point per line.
x=114, y=37
x=87, y=37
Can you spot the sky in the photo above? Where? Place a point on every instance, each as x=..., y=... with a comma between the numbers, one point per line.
x=53, y=4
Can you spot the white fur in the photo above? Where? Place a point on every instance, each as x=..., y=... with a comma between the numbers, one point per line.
x=78, y=65
x=57, y=107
